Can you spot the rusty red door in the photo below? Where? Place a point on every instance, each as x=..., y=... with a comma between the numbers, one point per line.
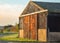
x=26, y=26
x=33, y=26
x=30, y=26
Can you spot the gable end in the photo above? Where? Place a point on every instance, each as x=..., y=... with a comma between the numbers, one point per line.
x=31, y=7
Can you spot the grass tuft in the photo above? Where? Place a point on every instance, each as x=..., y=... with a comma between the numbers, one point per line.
x=13, y=37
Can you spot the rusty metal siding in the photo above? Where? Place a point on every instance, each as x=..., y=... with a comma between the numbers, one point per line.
x=26, y=26
x=33, y=26
x=30, y=26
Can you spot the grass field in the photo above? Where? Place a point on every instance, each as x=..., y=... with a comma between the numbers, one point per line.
x=13, y=37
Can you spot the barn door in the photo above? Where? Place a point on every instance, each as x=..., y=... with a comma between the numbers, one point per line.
x=26, y=26
x=30, y=27
x=33, y=26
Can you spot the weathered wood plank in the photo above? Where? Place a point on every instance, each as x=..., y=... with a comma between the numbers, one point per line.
x=26, y=26
x=42, y=11
x=42, y=20
x=42, y=35
x=31, y=7
x=33, y=27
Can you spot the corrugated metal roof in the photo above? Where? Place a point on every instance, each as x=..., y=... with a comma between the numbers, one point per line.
x=52, y=7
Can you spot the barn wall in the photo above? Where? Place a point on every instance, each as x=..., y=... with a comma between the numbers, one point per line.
x=26, y=26
x=42, y=35
x=42, y=26
x=35, y=26
x=54, y=22
x=42, y=20
x=21, y=30
x=21, y=33
x=30, y=27
x=21, y=23
x=31, y=7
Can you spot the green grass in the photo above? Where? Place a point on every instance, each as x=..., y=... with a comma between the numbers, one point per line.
x=13, y=37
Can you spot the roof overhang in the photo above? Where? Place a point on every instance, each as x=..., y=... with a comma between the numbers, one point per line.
x=34, y=13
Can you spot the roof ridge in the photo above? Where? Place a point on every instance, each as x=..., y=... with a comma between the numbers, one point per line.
x=52, y=7
x=45, y=2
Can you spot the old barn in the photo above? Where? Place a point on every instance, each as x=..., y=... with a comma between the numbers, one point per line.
x=37, y=18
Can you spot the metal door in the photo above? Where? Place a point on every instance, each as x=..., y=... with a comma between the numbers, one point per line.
x=33, y=26
x=26, y=26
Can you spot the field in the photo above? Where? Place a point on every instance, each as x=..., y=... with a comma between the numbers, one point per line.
x=12, y=37
x=53, y=37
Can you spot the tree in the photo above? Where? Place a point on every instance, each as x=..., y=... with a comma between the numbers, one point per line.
x=16, y=26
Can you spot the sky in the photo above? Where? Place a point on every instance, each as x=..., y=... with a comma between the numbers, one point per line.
x=10, y=10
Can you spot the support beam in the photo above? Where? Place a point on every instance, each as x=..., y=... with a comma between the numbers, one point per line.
x=34, y=13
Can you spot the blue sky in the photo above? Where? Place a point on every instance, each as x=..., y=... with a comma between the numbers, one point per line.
x=10, y=10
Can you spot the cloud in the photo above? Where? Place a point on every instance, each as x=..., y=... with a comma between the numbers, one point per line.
x=9, y=13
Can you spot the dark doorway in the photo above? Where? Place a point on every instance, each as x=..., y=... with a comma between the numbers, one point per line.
x=53, y=22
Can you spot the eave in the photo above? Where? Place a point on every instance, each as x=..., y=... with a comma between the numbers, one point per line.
x=34, y=13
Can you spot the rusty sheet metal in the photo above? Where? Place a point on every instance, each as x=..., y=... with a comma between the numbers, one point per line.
x=33, y=26
x=30, y=26
x=26, y=26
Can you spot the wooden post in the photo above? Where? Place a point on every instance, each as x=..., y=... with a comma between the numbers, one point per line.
x=42, y=31
x=21, y=32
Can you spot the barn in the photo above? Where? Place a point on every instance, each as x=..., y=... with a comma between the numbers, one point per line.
x=37, y=18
